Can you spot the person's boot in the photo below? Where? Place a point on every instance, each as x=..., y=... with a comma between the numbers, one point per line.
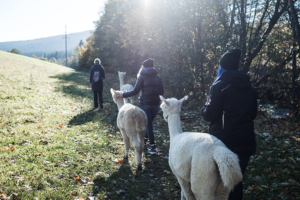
x=145, y=141
x=152, y=149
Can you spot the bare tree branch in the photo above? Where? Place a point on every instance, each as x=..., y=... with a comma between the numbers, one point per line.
x=277, y=14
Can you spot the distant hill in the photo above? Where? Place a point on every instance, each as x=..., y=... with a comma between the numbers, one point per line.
x=46, y=45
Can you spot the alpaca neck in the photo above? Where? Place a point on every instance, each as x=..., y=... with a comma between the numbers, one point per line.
x=120, y=103
x=121, y=82
x=174, y=125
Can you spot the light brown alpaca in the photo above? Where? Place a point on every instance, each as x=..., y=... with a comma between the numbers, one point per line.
x=132, y=122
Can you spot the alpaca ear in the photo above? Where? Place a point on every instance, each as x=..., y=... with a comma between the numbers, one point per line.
x=118, y=72
x=164, y=100
x=112, y=91
x=124, y=73
x=183, y=99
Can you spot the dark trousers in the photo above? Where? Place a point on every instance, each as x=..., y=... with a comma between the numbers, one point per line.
x=244, y=154
x=151, y=112
x=96, y=94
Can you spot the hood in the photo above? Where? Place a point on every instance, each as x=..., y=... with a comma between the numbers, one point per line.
x=220, y=72
x=238, y=79
x=149, y=71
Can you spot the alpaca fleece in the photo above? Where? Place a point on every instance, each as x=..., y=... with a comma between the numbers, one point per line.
x=205, y=168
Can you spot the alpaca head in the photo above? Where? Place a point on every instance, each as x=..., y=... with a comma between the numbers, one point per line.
x=115, y=94
x=171, y=106
x=121, y=74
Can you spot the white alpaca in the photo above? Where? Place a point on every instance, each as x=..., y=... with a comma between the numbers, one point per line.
x=205, y=168
x=125, y=87
x=132, y=122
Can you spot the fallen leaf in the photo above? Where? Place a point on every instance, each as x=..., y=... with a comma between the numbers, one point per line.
x=6, y=148
x=77, y=179
x=37, y=154
x=74, y=193
x=118, y=160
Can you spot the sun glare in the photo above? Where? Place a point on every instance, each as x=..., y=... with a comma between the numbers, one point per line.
x=147, y=2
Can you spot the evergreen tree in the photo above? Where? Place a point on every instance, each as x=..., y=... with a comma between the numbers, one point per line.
x=80, y=43
x=16, y=51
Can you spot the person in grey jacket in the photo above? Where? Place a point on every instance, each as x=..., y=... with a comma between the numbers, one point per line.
x=96, y=82
x=151, y=86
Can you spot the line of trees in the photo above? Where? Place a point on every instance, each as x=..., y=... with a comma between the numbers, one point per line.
x=187, y=37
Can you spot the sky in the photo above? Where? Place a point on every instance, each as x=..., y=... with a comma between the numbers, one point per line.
x=32, y=19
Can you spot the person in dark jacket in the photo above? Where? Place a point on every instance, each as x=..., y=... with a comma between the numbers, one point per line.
x=96, y=82
x=151, y=86
x=231, y=108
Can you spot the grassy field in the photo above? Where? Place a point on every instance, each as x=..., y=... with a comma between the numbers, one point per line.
x=54, y=146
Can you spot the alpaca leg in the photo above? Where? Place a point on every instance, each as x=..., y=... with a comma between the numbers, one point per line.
x=138, y=155
x=126, y=143
x=186, y=192
x=182, y=195
x=222, y=193
x=138, y=144
x=204, y=179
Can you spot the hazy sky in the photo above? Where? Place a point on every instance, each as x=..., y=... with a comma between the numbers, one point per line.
x=31, y=19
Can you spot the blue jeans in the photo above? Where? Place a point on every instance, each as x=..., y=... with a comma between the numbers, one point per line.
x=151, y=112
x=244, y=154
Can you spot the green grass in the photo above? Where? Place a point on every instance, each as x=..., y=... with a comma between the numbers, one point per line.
x=54, y=146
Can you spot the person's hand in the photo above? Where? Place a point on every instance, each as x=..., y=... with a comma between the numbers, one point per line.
x=119, y=95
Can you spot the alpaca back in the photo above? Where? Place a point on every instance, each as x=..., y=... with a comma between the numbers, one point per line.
x=130, y=117
x=203, y=149
x=127, y=87
x=188, y=146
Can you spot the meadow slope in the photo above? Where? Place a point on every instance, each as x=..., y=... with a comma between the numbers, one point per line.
x=53, y=145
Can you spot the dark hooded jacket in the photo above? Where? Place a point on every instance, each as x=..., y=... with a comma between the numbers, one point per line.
x=98, y=69
x=231, y=109
x=150, y=85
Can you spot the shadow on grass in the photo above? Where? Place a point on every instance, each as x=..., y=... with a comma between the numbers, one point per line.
x=76, y=84
x=127, y=184
x=83, y=118
x=76, y=77
x=93, y=115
